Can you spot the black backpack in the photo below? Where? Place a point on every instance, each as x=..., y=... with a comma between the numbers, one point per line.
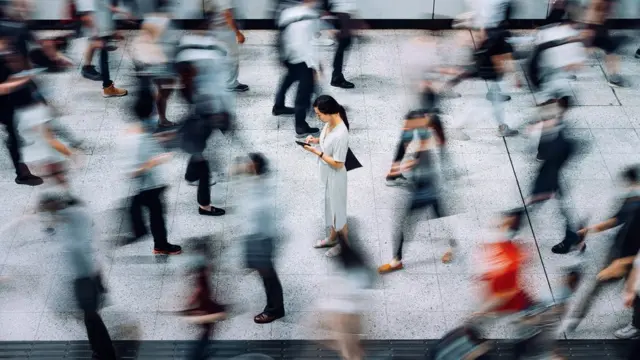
x=280, y=38
x=533, y=66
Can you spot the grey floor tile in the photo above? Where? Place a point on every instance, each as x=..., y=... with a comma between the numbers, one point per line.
x=19, y=326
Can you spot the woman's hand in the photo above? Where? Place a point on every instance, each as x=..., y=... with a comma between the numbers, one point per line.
x=311, y=140
x=311, y=149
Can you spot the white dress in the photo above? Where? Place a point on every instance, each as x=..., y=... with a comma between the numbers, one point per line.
x=334, y=144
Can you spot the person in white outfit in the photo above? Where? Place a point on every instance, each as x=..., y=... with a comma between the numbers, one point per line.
x=332, y=154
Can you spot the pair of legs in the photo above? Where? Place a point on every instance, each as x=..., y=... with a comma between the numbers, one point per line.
x=275, y=300
x=7, y=114
x=88, y=291
x=345, y=39
x=198, y=170
x=304, y=75
x=609, y=44
x=408, y=222
x=233, y=55
x=152, y=200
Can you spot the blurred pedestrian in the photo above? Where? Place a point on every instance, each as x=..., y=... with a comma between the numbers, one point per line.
x=296, y=26
x=75, y=228
x=202, y=309
x=343, y=10
x=144, y=158
x=631, y=296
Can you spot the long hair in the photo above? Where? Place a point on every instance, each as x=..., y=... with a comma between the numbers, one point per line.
x=328, y=105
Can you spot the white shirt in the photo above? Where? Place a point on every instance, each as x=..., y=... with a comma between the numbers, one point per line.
x=489, y=13
x=564, y=55
x=219, y=7
x=32, y=127
x=344, y=6
x=297, y=37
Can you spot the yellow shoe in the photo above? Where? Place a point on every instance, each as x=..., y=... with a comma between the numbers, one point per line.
x=113, y=91
x=390, y=267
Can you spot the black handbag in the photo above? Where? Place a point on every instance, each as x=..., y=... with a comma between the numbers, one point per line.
x=351, y=162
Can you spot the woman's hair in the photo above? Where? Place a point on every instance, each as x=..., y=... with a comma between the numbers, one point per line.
x=328, y=105
x=630, y=174
x=260, y=163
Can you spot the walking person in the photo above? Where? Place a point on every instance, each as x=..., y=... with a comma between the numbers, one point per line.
x=424, y=195
x=225, y=27
x=297, y=25
x=261, y=235
x=144, y=160
x=75, y=228
x=202, y=308
x=10, y=90
x=343, y=10
x=332, y=155
x=631, y=295
x=624, y=248
x=97, y=15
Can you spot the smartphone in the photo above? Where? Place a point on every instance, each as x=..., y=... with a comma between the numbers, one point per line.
x=302, y=143
x=28, y=73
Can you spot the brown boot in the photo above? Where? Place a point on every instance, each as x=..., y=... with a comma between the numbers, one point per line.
x=113, y=91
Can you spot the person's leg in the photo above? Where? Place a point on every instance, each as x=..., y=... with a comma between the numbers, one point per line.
x=199, y=351
x=497, y=105
x=439, y=212
x=303, y=100
x=98, y=335
x=109, y=90
x=204, y=183
x=275, y=300
x=344, y=42
x=135, y=214
x=233, y=55
x=161, y=102
x=397, y=159
x=155, y=204
x=279, y=107
x=406, y=225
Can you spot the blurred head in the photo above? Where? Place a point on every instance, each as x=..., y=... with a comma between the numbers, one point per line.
x=258, y=164
x=630, y=176
x=328, y=109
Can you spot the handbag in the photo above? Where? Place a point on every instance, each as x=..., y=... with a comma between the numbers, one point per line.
x=351, y=162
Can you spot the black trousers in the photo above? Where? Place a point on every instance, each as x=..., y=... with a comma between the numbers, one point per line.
x=198, y=170
x=87, y=291
x=104, y=63
x=407, y=222
x=7, y=116
x=273, y=290
x=344, y=42
x=200, y=350
x=152, y=200
x=401, y=150
x=302, y=74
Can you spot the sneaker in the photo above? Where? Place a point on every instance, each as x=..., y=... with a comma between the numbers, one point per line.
x=627, y=332
x=197, y=182
x=30, y=180
x=507, y=131
x=113, y=91
x=167, y=249
x=277, y=111
x=306, y=132
x=616, y=81
x=342, y=83
x=90, y=72
x=322, y=41
x=396, y=180
x=240, y=88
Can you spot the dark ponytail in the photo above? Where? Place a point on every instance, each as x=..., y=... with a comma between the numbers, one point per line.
x=436, y=125
x=328, y=105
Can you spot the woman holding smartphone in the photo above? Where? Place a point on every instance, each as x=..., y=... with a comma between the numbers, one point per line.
x=332, y=153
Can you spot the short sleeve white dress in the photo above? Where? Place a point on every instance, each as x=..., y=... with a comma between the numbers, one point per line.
x=334, y=143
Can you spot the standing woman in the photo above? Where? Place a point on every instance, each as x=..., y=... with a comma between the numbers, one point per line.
x=332, y=154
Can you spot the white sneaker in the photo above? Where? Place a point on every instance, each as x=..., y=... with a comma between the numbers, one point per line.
x=322, y=41
x=195, y=183
x=627, y=332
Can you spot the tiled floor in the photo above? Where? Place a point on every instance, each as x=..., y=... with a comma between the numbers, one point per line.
x=421, y=302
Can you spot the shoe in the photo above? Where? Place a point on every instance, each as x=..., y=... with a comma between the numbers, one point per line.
x=197, y=182
x=342, y=83
x=539, y=157
x=334, y=251
x=113, y=91
x=49, y=230
x=627, y=332
x=240, y=88
x=507, y=131
x=277, y=111
x=29, y=179
x=637, y=54
x=167, y=249
x=213, y=212
x=396, y=180
x=265, y=318
x=322, y=41
x=387, y=268
x=306, y=132
x=616, y=81
x=90, y=72
x=501, y=97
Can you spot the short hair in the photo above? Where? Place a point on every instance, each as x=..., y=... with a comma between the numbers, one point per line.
x=630, y=174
